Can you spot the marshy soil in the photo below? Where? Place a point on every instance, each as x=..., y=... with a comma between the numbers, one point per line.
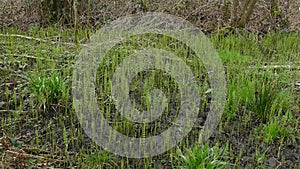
x=42, y=130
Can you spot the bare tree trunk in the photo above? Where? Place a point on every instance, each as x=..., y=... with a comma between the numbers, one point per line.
x=75, y=22
x=248, y=7
x=234, y=10
x=88, y=20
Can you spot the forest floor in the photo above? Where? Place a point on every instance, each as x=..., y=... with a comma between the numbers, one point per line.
x=259, y=126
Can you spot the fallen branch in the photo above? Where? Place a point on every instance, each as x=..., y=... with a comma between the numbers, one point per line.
x=33, y=57
x=38, y=39
x=21, y=153
x=36, y=58
x=12, y=111
x=288, y=67
x=24, y=37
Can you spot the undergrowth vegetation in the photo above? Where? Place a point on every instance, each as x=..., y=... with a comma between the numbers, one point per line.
x=259, y=126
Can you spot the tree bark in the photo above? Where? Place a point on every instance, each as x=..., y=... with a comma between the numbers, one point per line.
x=248, y=9
x=75, y=22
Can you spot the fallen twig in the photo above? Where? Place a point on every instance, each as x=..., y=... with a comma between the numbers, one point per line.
x=36, y=58
x=24, y=154
x=37, y=39
x=288, y=67
x=12, y=111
